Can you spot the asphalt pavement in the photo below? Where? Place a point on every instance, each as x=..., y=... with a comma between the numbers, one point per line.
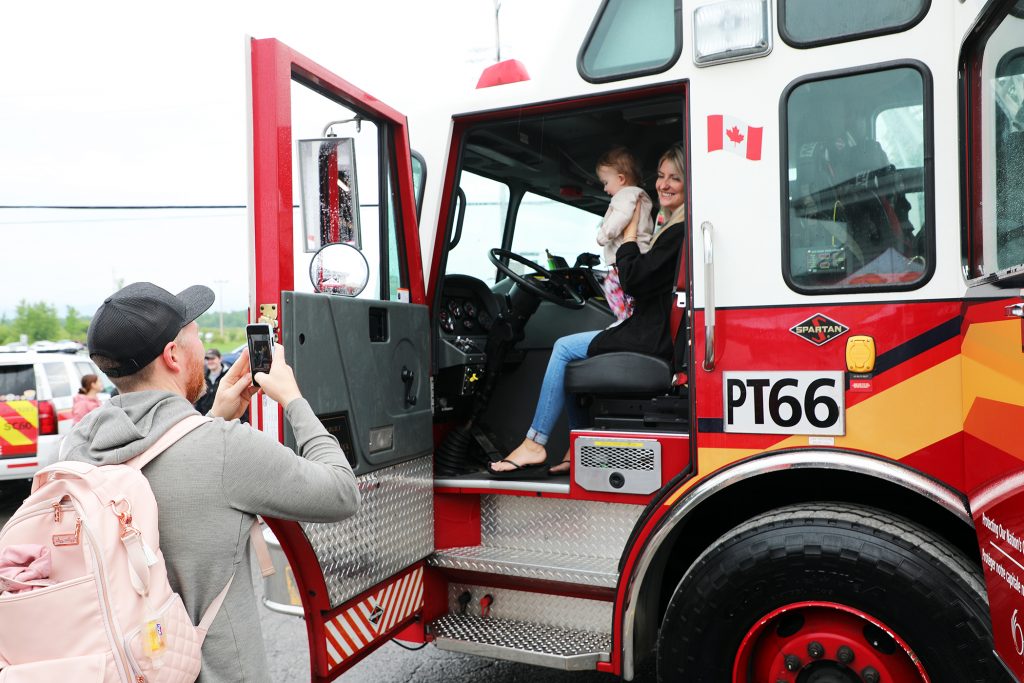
x=288, y=653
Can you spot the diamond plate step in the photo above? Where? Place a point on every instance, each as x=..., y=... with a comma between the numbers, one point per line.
x=545, y=565
x=521, y=641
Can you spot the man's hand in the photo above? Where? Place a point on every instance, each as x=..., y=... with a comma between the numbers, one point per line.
x=279, y=384
x=234, y=391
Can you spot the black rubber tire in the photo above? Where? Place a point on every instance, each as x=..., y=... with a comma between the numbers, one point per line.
x=886, y=566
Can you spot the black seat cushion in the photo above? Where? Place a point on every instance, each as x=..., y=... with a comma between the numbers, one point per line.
x=623, y=373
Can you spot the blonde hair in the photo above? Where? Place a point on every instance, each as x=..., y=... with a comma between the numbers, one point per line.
x=677, y=156
x=621, y=160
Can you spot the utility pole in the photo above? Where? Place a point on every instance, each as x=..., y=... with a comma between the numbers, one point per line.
x=497, y=28
x=220, y=300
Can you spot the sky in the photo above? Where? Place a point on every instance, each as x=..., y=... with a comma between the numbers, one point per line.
x=121, y=104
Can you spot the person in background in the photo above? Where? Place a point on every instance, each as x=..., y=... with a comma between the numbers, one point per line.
x=87, y=399
x=214, y=371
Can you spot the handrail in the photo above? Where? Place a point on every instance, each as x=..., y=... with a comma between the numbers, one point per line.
x=706, y=229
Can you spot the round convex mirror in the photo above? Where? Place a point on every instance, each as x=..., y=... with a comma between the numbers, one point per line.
x=339, y=269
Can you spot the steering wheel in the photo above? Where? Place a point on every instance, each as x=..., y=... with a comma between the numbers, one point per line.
x=551, y=289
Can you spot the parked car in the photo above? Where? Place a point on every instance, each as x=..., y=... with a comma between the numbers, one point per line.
x=36, y=395
x=230, y=357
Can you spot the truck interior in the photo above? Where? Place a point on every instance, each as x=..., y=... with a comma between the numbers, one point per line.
x=521, y=268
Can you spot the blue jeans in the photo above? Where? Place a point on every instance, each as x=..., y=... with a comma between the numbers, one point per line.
x=552, y=392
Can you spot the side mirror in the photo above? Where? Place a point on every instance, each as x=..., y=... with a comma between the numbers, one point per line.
x=330, y=202
x=339, y=269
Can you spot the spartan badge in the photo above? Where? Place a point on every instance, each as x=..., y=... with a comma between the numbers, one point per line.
x=819, y=329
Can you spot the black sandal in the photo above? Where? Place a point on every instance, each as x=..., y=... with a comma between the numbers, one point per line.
x=531, y=471
x=551, y=470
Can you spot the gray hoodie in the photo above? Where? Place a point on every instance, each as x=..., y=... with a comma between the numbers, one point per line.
x=209, y=485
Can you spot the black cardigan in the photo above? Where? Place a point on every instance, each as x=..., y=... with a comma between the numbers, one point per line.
x=650, y=279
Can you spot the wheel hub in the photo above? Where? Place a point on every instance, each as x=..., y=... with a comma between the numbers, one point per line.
x=824, y=643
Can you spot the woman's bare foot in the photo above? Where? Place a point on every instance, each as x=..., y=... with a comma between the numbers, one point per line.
x=529, y=452
x=562, y=467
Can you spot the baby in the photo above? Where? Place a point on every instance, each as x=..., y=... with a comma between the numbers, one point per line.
x=619, y=173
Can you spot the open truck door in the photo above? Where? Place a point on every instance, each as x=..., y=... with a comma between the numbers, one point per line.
x=360, y=357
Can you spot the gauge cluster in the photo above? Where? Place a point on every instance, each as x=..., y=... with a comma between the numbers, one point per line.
x=460, y=315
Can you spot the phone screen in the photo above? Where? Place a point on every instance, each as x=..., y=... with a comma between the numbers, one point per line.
x=261, y=348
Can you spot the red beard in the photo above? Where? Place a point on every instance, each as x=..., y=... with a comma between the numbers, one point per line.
x=196, y=386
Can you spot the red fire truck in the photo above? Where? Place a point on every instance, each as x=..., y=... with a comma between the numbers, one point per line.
x=826, y=483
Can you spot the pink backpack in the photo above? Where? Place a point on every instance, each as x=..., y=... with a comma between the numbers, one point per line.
x=83, y=588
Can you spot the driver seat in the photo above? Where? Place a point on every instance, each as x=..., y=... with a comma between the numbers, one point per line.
x=627, y=390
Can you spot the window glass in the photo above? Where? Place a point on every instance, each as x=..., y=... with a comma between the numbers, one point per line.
x=1008, y=92
x=486, y=208
x=857, y=211
x=17, y=382
x=57, y=375
x=994, y=244
x=632, y=37
x=550, y=232
x=813, y=22
x=395, y=269
x=419, y=179
x=84, y=369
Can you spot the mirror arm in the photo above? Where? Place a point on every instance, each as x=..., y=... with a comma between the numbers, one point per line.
x=357, y=119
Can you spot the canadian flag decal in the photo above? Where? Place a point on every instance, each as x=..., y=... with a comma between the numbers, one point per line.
x=732, y=135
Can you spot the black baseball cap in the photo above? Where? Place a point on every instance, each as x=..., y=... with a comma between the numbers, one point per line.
x=134, y=324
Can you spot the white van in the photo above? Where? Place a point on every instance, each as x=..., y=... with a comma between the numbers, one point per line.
x=36, y=395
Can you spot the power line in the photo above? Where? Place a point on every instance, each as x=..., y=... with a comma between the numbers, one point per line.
x=129, y=207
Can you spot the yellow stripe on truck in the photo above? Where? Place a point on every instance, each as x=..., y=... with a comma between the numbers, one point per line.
x=27, y=409
x=12, y=436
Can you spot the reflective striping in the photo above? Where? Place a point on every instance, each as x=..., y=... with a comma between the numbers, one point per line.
x=364, y=623
x=12, y=435
x=27, y=410
x=13, y=465
x=19, y=429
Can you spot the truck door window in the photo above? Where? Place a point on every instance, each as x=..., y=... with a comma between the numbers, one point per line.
x=371, y=209
x=993, y=111
x=544, y=226
x=858, y=189
x=486, y=210
x=808, y=23
x=630, y=38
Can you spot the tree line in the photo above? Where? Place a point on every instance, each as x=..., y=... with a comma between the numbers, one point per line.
x=40, y=321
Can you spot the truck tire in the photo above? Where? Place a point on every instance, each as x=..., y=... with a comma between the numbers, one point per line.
x=829, y=592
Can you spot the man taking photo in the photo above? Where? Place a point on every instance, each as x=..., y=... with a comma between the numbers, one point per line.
x=211, y=483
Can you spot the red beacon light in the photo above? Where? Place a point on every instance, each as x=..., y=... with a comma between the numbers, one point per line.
x=502, y=73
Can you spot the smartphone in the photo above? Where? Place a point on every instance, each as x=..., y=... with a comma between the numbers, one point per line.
x=261, y=348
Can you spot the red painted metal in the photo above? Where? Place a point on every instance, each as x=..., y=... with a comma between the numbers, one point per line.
x=506, y=71
x=762, y=654
x=273, y=68
x=456, y=520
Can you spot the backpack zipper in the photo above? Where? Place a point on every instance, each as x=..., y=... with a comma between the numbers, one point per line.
x=123, y=667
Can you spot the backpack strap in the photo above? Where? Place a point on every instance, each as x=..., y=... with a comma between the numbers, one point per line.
x=169, y=438
x=138, y=563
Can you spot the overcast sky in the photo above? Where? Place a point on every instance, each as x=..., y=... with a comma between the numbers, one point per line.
x=134, y=103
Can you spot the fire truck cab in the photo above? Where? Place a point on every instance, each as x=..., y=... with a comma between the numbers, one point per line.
x=822, y=485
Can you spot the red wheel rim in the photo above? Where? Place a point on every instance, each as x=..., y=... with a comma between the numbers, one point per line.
x=807, y=642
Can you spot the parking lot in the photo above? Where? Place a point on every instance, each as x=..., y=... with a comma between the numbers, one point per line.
x=287, y=651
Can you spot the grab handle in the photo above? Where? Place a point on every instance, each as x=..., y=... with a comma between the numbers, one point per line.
x=706, y=229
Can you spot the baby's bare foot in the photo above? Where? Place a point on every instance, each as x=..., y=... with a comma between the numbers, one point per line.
x=529, y=452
